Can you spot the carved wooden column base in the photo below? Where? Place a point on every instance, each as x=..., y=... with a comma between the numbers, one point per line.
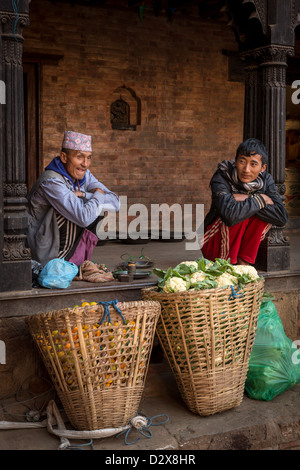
x=274, y=252
x=16, y=264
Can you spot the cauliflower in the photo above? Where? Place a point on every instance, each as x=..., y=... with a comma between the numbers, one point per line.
x=246, y=269
x=190, y=263
x=175, y=284
x=198, y=276
x=226, y=279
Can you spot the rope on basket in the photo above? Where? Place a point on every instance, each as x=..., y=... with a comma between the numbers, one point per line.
x=234, y=293
x=78, y=446
x=106, y=305
x=139, y=422
x=142, y=423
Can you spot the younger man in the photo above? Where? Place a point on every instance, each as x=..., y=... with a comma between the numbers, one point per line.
x=245, y=204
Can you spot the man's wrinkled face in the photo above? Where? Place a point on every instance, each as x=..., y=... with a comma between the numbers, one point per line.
x=76, y=162
x=248, y=168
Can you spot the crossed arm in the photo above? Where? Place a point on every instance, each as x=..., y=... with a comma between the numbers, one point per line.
x=242, y=197
x=79, y=193
x=82, y=213
x=236, y=207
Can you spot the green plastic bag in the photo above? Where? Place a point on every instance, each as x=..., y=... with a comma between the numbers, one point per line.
x=274, y=364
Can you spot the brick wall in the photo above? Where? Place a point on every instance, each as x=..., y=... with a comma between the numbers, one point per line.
x=191, y=115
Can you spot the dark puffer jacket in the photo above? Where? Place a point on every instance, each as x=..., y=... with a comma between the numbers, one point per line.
x=232, y=212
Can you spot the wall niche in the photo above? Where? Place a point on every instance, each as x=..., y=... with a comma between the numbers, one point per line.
x=125, y=109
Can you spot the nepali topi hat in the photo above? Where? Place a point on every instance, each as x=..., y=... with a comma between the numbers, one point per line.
x=75, y=141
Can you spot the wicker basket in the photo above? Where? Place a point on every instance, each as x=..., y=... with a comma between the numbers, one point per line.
x=207, y=337
x=97, y=363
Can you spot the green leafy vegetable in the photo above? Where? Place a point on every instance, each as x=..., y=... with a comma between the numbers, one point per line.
x=204, y=274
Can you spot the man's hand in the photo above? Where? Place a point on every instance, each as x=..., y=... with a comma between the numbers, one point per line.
x=78, y=193
x=240, y=197
x=97, y=189
x=268, y=199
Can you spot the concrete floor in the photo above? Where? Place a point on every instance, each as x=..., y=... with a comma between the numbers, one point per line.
x=166, y=254
x=254, y=425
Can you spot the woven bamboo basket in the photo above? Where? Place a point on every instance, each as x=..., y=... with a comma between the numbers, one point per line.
x=207, y=337
x=98, y=363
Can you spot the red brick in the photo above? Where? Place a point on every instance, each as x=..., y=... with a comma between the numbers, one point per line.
x=191, y=116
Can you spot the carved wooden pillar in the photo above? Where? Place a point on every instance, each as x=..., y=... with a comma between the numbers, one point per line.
x=265, y=115
x=15, y=258
x=265, y=32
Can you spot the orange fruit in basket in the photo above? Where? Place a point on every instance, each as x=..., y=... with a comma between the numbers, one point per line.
x=109, y=382
x=85, y=304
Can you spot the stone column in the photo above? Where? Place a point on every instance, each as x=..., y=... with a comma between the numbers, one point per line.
x=15, y=258
x=265, y=116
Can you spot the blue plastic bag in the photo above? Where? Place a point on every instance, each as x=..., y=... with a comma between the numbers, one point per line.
x=57, y=274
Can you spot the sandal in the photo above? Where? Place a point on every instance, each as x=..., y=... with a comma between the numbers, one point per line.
x=78, y=277
x=91, y=273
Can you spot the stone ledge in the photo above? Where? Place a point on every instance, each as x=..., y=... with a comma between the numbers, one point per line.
x=281, y=280
x=23, y=303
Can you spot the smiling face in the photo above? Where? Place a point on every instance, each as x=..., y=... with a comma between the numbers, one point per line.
x=76, y=163
x=249, y=167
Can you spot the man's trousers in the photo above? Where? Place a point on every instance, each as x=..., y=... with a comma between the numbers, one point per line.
x=241, y=240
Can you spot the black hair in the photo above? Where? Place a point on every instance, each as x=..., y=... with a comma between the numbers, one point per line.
x=67, y=151
x=252, y=147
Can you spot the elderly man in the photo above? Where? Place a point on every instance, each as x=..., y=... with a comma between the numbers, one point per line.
x=245, y=204
x=66, y=203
